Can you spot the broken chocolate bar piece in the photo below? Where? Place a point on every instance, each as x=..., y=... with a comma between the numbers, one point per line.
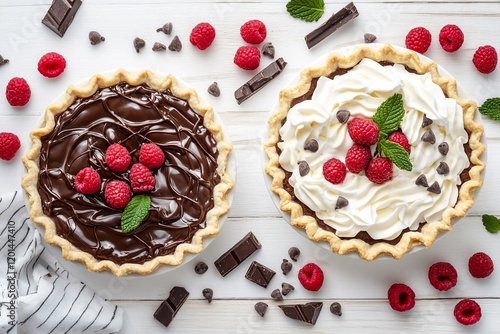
x=259, y=274
x=237, y=254
x=262, y=78
x=308, y=312
x=60, y=15
x=336, y=21
x=169, y=308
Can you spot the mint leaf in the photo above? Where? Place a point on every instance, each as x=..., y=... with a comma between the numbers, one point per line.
x=491, y=223
x=134, y=213
x=491, y=108
x=396, y=153
x=389, y=115
x=306, y=10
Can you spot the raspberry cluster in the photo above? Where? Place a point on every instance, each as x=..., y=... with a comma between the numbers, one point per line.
x=248, y=57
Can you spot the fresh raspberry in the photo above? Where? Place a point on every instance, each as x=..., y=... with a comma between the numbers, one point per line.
x=87, y=181
x=151, y=156
x=18, y=92
x=357, y=158
x=253, y=32
x=202, y=35
x=442, y=276
x=418, y=39
x=334, y=171
x=363, y=131
x=51, y=65
x=141, y=178
x=247, y=57
x=485, y=59
x=117, y=194
x=311, y=277
x=118, y=158
x=451, y=38
x=401, y=297
x=379, y=170
x=480, y=265
x=9, y=144
x=467, y=312
x=399, y=137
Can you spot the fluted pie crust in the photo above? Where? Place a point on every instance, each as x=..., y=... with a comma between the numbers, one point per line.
x=430, y=230
x=221, y=191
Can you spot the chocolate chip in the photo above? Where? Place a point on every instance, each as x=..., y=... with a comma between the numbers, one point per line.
x=139, y=43
x=429, y=137
x=213, y=89
x=303, y=168
x=343, y=116
x=276, y=295
x=369, y=38
x=421, y=181
x=426, y=121
x=434, y=188
x=342, y=202
x=96, y=38
x=261, y=308
x=286, y=288
x=208, y=294
x=268, y=49
x=336, y=309
x=443, y=168
x=294, y=253
x=175, y=45
x=3, y=61
x=200, y=268
x=166, y=28
x=286, y=266
x=159, y=47
x=312, y=145
x=444, y=148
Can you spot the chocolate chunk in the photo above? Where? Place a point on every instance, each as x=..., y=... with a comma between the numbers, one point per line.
x=208, y=294
x=200, y=268
x=444, y=148
x=262, y=78
x=426, y=121
x=429, y=137
x=308, y=312
x=286, y=266
x=294, y=253
x=259, y=274
x=303, y=168
x=95, y=38
x=159, y=47
x=175, y=45
x=312, y=145
x=421, y=181
x=3, y=61
x=276, y=295
x=237, y=254
x=443, y=168
x=331, y=25
x=434, y=188
x=213, y=89
x=369, y=38
x=268, y=49
x=60, y=15
x=343, y=116
x=166, y=28
x=139, y=43
x=261, y=308
x=336, y=309
x=342, y=202
x=286, y=288
x=169, y=308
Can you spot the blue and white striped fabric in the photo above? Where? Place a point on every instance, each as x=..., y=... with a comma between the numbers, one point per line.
x=38, y=295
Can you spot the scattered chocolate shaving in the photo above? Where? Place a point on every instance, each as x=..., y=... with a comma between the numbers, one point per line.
x=286, y=288
x=208, y=294
x=312, y=145
x=175, y=45
x=237, y=254
x=336, y=21
x=444, y=148
x=268, y=49
x=369, y=38
x=261, y=308
x=428, y=137
x=276, y=295
x=166, y=28
x=443, y=168
x=139, y=43
x=434, y=188
x=60, y=15
x=343, y=116
x=200, y=268
x=421, y=181
x=3, y=61
x=259, y=274
x=286, y=266
x=426, y=121
x=294, y=253
x=169, y=308
x=213, y=89
x=303, y=168
x=159, y=47
x=336, y=309
x=307, y=313
x=342, y=202
x=95, y=38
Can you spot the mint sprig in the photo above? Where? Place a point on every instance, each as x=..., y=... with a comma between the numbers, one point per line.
x=396, y=153
x=389, y=115
x=491, y=223
x=491, y=108
x=135, y=212
x=306, y=10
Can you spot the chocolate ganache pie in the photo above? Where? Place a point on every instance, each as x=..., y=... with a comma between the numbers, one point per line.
x=374, y=152
x=139, y=215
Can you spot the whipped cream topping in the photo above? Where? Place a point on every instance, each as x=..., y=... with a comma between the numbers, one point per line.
x=383, y=211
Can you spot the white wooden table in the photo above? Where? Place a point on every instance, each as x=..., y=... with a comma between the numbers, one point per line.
x=361, y=287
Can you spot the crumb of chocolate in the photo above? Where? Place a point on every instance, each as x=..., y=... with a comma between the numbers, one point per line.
x=166, y=28
x=213, y=89
x=303, y=168
x=342, y=202
x=3, y=61
x=159, y=47
x=426, y=121
x=443, y=168
x=286, y=267
x=175, y=45
x=268, y=49
x=336, y=308
x=200, y=268
x=429, y=137
x=139, y=43
x=276, y=295
x=369, y=38
x=261, y=308
x=208, y=294
x=422, y=181
x=286, y=288
x=312, y=145
x=343, y=116
x=294, y=253
x=444, y=148
x=434, y=188
x=95, y=38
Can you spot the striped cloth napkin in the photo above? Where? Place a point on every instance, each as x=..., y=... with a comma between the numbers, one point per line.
x=38, y=295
